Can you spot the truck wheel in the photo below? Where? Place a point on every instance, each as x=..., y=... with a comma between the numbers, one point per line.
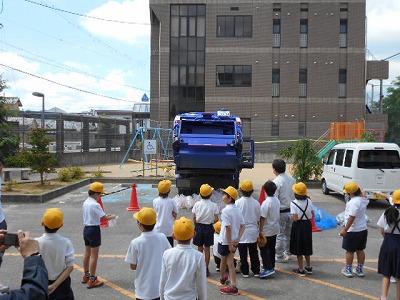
x=325, y=189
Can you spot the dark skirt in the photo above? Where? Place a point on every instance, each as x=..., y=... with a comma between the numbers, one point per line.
x=389, y=256
x=301, y=238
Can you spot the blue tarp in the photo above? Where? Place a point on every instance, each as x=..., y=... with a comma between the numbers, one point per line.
x=324, y=219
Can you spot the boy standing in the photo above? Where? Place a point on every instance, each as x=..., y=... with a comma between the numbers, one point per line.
x=355, y=232
x=205, y=214
x=93, y=214
x=58, y=255
x=231, y=232
x=145, y=255
x=183, y=273
x=269, y=226
x=250, y=209
x=166, y=209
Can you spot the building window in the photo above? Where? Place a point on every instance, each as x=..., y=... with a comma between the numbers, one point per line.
x=303, y=83
x=276, y=81
x=234, y=76
x=343, y=33
x=342, y=83
x=275, y=129
x=304, y=7
x=276, y=7
x=234, y=26
x=302, y=129
x=344, y=6
x=303, y=33
x=276, y=33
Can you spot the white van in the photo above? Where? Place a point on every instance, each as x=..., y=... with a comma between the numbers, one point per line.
x=373, y=166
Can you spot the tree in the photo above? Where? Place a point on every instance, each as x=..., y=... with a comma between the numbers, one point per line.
x=38, y=157
x=306, y=163
x=391, y=107
x=9, y=141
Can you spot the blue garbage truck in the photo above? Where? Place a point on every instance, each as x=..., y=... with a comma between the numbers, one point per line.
x=209, y=148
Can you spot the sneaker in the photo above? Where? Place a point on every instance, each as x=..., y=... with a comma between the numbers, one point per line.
x=229, y=290
x=245, y=275
x=279, y=259
x=207, y=272
x=256, y=275
x=217, y=269
x=224, y=281
x=347, y=273
x=94, y=283
x=308, y=270
x=393, y=280
x=299, y=272
x=358, y=273
x=267, y=273
x=85, y=279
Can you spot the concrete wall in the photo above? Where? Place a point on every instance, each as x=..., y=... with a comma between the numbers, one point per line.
x=90, y=158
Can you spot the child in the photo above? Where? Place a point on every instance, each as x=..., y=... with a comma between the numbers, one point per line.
x=389, y=260
x=58, y=255
x=302, y=211
x=250, y=209
x=205, y=213
x=183, y=272
x=217, y=256
x=93, y=214
x=231, y=232
x=355, y=232
x=145, y=255
x=269, y=226
x=166, y=209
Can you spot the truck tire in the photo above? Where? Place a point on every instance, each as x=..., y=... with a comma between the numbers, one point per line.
x=325, y=189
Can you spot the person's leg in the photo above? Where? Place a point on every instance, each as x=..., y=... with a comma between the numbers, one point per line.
x=287, y=231
x=308, y=261
x=207, y=254
x=360, y=258
x=280, y=238
x=217, y=261
x=265, y=257
x=94, y=255
x=349, y=260
x=232, y=272
x=254, y=258
x=86, y=259
x=200, y=249
x=223, y=267
x=244, y=267
x=271, y=244
x=385, y=287
x=300, y=262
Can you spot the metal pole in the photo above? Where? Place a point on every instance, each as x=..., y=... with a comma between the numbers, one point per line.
x=381, y=96
x=43, y=111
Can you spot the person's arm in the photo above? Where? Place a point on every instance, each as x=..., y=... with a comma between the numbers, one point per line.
x=201, y=281
x=64, y=275
x=108, y=217
x=383, y=232
x=228, y=231
x=295, y=217
x=215, y=218
x=262, y=222
x=350, y=221
x=194, y=218
x=133, y=266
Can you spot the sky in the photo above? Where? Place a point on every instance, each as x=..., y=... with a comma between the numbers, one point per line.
x=95, y=54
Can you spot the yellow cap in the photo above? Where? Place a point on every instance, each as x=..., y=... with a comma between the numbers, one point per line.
x=183, y=229
x=300, y=189
x=231, y=191
x=164, y=186
x=97, y=187
x=217, y=226
x=53, y=218
x=246, y=186
x=351, y=187
x=146, y=216
x=206, y=190
x=396, y=197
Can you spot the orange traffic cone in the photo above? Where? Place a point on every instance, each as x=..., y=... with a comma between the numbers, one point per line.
x=262, y=195
x=102, y=222
x=315, y=228
x=134, y=206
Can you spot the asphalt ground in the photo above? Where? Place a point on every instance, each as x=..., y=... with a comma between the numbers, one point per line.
x=326, y=282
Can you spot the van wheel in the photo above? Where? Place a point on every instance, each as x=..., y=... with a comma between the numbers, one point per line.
x=346, y=198
x=325, y=189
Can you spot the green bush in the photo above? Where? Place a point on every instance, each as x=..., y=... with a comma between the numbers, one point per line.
x=17, y=161
x=64, y=175
x=70, y=173
x=77, y=172
x=10, y=185
x=98, y=173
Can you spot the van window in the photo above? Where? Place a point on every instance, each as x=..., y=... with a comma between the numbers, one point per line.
x=331, y=157
x=378, y=159
x=339, y=157
x=349, y=158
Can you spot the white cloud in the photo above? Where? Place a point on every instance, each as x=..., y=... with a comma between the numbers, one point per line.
x=136, y=11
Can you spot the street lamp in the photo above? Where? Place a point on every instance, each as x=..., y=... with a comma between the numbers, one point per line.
x=37, y=94
x=381, y=84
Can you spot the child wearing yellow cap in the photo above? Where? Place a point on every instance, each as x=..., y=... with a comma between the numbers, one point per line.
x=205, y=214
x=183, y=273
x=58, y=255
x=355, y=232
x=302, y=211
x=232, y=229
x=166, y=209
x=145, y=255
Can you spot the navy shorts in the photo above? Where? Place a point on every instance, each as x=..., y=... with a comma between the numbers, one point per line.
x=223, y=250
x=92, y=236
x=204, y=235
x=355, y=241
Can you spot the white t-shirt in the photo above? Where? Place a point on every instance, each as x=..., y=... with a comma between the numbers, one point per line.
x=250, y=209
x=183, y=274
x=2, y=217
x=302, y=204
x=215, y=246
x=230, y=216
x=92, y=212
x=357, y=207
x=165, y=220
x=284, y=192
x=146, y=251
x=386, y=227
x=57, y=253
x=205, y=210
x=270, y=211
